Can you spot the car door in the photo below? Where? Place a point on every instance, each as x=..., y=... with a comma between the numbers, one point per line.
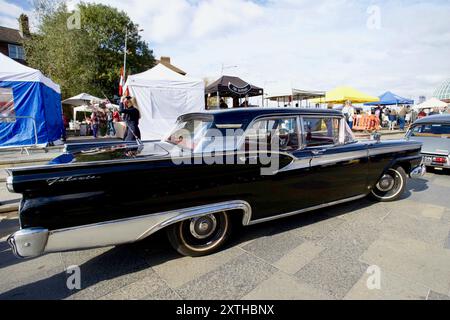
x=339, y=166
x=282, y=183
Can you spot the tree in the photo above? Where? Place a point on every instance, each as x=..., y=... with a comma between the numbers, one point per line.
x=86, y=58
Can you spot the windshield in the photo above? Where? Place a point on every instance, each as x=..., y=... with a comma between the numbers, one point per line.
x=188, y=134
x=431, y=130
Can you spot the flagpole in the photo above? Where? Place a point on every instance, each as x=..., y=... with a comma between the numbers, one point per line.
x=125, y=56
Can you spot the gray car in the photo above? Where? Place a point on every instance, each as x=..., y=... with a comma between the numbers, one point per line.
x=434, y=133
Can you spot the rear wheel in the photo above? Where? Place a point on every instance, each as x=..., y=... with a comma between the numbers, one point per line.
x=391, y=185
x=200, y=236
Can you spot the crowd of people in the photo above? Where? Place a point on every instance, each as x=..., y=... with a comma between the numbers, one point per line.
x=103, y=120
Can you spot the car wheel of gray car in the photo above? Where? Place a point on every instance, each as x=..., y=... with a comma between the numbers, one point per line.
x=391, y=185
x=200, y=236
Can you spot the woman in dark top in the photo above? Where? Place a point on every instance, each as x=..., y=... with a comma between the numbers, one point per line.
x=131, y=117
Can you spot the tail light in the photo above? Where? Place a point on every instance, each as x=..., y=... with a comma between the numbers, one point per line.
x=440, y=160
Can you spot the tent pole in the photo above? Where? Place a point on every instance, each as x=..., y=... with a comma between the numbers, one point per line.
x=218, y=100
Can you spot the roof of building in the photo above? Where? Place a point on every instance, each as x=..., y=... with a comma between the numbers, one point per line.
x=10, y=35
x=443, y=91
x=166, y=62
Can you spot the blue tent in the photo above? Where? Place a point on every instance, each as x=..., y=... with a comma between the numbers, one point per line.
x=30, y=106
x=389, y=99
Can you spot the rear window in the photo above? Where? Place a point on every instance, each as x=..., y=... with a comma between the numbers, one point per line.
x=431, y=130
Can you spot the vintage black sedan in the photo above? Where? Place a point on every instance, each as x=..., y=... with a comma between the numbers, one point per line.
x=215, y=169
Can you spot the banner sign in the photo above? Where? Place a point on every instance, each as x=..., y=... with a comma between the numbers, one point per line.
x=241, y=91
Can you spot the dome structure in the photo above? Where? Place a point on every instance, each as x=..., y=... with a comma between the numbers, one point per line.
x=443, y=91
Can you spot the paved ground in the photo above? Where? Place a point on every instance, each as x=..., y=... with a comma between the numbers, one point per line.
x=320, y=255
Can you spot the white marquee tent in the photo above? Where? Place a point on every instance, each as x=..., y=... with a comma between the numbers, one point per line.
x=162, y=96
x=430, y=104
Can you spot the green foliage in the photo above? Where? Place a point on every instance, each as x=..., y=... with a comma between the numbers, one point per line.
x=86, y=59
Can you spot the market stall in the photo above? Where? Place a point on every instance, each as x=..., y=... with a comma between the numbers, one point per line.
x=162, y=96
x=289, y=96
x=232, y=87
x=390, y=99
x=30, y=106
x=432, y=103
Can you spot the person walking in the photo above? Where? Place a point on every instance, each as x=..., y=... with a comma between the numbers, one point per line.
x=131, y=116
x=65, y=126
x=94, y=124
x=110, y=131
x=402, y=117
x=392, y=119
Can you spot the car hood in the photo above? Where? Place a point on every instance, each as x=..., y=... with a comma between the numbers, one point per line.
x=434, y=145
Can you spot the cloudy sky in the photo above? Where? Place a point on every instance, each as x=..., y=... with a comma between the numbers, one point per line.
x=398, y=45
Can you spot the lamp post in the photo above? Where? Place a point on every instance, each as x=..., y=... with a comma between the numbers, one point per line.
x=125, y=53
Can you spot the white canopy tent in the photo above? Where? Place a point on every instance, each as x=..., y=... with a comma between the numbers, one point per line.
x=431, y=104
x=81, y=100
x=162, y=96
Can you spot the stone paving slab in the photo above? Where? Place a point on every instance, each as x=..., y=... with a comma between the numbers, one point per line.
x=392, y=287
x=412, y=259
x=231, y=281
x=285, y=287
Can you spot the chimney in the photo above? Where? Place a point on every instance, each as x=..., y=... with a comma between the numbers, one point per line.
x=24, y=26
x=165, y=60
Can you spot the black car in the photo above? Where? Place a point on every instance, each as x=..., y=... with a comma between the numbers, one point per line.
x=253, y=164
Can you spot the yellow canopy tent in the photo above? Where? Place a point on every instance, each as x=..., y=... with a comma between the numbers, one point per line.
x=343, y=94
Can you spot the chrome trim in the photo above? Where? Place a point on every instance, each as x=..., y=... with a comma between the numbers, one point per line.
x=321, y=206
x=10, y=184
x=112, y=232
x=390, y=149
x=418, y=172
x=329, y=159
x=297, y=164
x=28, y=243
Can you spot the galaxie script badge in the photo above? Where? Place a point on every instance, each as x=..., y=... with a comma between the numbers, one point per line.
x=53, y=181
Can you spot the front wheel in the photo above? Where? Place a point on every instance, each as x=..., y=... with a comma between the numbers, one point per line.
x=391, y=185
x=200, y=236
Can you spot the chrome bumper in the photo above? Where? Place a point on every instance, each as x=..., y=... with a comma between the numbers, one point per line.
x=29, y=243
x=418, y=172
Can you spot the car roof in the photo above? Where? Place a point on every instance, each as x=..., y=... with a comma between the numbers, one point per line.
x=246, y=115
x=438, y=119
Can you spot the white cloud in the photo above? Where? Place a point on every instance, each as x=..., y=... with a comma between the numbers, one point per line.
x=314, y=44
x=9, y=14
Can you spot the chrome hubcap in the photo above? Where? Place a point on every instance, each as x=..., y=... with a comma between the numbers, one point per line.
x=386, y=183
x=203, y=227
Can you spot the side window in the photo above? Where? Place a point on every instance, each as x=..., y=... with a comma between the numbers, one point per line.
x=320, y=131
x=7, y=112
x=268, y=134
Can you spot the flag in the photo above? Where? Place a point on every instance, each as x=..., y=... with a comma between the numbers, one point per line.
x=121, y=82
